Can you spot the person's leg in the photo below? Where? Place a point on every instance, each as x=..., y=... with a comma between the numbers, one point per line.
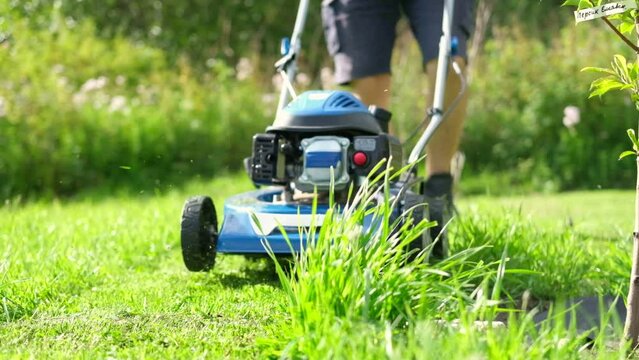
x=425, y=17
x=374, y=90
x=445, y=143
x=360, y=35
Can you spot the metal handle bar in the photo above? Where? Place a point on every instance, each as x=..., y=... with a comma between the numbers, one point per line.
x=440, y=84
x=288, y=64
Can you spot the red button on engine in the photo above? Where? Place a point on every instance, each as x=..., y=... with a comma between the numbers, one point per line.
x=360, y=158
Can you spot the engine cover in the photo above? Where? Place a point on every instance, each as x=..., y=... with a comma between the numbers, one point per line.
x=327, y=112
x=325, y=157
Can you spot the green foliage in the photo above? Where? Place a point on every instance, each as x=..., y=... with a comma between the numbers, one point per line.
x=181, y=116
x=635, y=145
x=78, y=111
x=520, y=89
x=201, y=29
x=621, y=75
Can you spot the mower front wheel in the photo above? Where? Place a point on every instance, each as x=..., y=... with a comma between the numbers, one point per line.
x=199, y=233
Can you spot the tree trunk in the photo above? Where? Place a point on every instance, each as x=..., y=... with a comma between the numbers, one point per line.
x=482, y=20
x=631, y=330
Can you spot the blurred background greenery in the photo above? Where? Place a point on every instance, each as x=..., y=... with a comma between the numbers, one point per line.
x=149, y=93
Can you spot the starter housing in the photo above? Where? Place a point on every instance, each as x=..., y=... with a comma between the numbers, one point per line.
x=325, y=157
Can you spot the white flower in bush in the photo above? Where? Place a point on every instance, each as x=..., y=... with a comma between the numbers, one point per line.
x=277, y=82
x=89, y=85
x=572, y=116
x=303, y=79
x=79, y=99
x=243, y=69
x=101, y=82
x=118, y=103
x=57, y=68
x=268, y=99
x=156, y=30
x=327, y=77
x=94, y=84
x=3, y=107
x=62, y=81
x=210, y=62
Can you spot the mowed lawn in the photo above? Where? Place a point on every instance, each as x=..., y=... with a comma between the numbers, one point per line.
x=605, y=214
x=104, y=278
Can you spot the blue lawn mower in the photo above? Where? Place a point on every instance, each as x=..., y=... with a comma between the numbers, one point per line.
x=319, y=140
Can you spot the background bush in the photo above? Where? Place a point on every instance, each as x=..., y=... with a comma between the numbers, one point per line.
x=80, y=111
x=150, y=93
x=521, y=88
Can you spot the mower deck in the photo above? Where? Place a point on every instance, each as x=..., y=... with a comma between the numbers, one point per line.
x=240, y=234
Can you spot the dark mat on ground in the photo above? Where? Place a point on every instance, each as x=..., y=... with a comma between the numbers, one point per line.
x=588, y=312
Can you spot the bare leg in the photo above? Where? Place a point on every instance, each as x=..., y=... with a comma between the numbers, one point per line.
x=374, y=90
x=445, y=142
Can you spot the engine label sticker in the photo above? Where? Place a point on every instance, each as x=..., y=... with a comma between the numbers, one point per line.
x=365, y=144
x=604, y=10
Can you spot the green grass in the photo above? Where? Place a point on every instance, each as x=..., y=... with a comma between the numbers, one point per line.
x=356, y=296
x=579, y=242
x=106, y=278
x=607, y=214
x=102, y=277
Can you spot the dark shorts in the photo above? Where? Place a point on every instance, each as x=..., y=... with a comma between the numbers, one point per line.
x=360, y=34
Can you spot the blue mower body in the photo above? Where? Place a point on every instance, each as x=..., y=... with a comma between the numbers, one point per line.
x=240, y=234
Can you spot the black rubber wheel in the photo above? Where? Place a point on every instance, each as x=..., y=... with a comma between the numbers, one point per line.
x=439, y=250
x=199, y=233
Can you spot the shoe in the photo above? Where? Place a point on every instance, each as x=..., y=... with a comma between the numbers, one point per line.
x=438, y=194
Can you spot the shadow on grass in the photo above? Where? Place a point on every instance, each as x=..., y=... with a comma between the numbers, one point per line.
x=253, y=271
x=238, y=281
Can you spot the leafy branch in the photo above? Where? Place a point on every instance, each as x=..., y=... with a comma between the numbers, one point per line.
x=626, y=20
x=621, y=35
x=622, y=75
x=635, y=145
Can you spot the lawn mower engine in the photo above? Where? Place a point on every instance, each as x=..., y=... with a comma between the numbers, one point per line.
x=322, y=138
